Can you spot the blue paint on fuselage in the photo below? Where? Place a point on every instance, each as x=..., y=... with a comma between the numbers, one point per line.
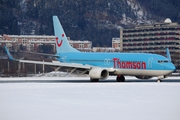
x=106, y=60
x=119, y=61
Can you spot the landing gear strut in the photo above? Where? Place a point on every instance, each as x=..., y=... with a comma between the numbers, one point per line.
x=159, y=80
x=120, y=78
x=161, y=77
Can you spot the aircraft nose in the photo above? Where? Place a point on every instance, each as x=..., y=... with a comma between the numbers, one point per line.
x=172, y=67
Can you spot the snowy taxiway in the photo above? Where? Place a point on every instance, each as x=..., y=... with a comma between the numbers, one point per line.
x=87, y=101
x=75, y=78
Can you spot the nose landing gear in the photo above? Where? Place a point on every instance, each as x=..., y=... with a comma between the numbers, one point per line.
x=161, y=77
x=159, y=80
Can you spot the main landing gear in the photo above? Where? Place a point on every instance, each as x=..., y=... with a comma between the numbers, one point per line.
x=94, y=80
x=120, y=78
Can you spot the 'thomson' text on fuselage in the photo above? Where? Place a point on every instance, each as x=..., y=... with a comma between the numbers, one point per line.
x=129, y=64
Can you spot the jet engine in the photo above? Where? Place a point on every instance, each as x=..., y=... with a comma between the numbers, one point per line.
x=98, y=73
x=143, y=77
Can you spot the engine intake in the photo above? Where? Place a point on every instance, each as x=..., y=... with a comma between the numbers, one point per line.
x=98, y=73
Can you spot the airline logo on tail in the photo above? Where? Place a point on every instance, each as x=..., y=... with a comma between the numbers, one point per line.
x=57, y=42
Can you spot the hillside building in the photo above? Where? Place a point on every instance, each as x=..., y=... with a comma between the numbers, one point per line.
x=116, y=43
x=32, y=42
x=153, y=39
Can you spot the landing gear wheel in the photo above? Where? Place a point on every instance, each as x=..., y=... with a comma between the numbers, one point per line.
x=159, y=80
x=120, y=78
x=94, y=80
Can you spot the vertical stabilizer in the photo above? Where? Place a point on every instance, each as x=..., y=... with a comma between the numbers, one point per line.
x=62, y=44
x=168, y=54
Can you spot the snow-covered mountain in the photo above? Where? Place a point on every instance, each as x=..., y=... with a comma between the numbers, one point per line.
x=94, y=20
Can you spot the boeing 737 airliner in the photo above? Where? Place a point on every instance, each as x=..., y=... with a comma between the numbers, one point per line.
x=101, y=65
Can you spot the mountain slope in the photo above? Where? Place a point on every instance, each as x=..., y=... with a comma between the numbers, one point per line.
x=94, y=20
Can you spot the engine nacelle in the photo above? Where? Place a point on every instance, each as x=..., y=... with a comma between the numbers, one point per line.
x=143, y=77
x=98, y=73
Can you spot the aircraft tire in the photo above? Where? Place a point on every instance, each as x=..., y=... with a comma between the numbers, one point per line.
x=94, y=80
x=120, y=78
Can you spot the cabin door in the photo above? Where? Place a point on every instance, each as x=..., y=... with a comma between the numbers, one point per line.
x=150, y=62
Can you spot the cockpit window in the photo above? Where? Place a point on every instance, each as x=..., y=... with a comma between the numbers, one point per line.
x=166, y=61
x=163, y=61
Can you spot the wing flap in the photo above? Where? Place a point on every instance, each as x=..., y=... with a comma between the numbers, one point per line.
x=44, y=54
x=57, y=63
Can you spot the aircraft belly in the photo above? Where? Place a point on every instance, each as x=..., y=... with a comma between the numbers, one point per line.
x=136, y=72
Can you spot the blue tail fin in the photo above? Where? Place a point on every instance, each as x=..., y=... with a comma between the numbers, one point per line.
x=168, y=54
x=62, y=44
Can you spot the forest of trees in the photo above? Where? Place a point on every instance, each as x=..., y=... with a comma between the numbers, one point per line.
x=8, y=21
x=81, y=19
x=163, y=8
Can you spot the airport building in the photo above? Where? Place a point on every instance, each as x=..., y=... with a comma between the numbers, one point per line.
x=32, y=42
x=116, y=43
x=153, y=39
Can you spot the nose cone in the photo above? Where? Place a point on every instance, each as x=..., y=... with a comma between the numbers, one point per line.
x=171, y=67
x=174, y=68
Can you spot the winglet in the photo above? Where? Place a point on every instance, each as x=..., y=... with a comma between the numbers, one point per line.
x=168, y=54
x=8, y=53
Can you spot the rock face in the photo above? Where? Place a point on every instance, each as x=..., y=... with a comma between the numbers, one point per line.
x=94, y=20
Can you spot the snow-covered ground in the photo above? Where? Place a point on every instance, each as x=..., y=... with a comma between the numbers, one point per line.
x=75, y=78
x=87, y=101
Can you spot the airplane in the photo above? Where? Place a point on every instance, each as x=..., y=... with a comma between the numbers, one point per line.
x=99, y=65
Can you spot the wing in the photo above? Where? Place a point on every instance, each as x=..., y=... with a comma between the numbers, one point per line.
x=71, y=67
x=57, y=63
x=53, y=63
x=44, y=54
